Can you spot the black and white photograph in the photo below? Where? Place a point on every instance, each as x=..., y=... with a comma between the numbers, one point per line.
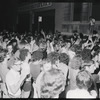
x=50, y=49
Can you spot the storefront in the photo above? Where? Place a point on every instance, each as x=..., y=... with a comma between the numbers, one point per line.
x=63, y=17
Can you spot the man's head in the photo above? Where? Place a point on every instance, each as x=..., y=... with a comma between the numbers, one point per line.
x=22, y=44
x=17, y=66
x=3, y=55
x=84, y=80
x=37, y=55
x=52, y=83
x=64, y=58
x=53, y=57
x=24, y=54
x=75, y=63
x=9, y=47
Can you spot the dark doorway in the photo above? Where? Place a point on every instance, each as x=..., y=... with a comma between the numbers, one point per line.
x=23, y=22
x=48, y=21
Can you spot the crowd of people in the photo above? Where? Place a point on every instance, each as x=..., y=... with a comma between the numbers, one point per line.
x=49, y=65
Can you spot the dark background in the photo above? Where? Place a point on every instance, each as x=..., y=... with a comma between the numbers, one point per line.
x=8, y=12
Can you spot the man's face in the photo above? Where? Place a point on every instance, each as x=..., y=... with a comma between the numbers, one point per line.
x=17, y=67
x=9, y=48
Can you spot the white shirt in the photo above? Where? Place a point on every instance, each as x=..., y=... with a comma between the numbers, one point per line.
x=78, y=93
x=4, y=45
x=64, y=68
x=12, y=78
x=71, y=54
x=26, y=68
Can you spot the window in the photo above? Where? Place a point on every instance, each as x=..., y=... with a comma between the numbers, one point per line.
x=77, y=11
x=95, y=11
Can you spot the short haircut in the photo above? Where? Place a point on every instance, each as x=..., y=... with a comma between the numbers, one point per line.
x=37, y=55
x=64, y=58
x=75, y=63
x=23, y=54
x=76, y=48
x=84, y=79
x=86, y=55
x=53, y=57
x=52, y=83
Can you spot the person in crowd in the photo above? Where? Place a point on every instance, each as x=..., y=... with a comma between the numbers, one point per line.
x=3, y=71
x=53, y=59
x=74, y=68
x=14, y=80
x=63, y=63
x=52, y=84
x=86, y=55
x=90, y=67
x=39, y=54
x=83, y=82
x=11, y=55
x=91, y=24
x=35, y=64
x=25, y=56
x=14, y=45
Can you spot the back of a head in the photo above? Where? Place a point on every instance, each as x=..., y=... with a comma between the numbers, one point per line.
x=64, y=58
x=37, y=55
x=23, y=54
x=53, y=57
x=83, y=79
x=75, y=63
x=86, y=55
x=52, y=83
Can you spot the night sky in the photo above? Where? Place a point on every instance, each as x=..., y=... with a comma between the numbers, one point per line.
x=8, y=12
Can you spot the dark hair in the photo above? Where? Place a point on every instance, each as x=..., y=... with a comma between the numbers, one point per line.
x=86, y=55
x=23, y=54
x=23, y=42
x=53, y=57
x=84, y=79
x=64, y=58
x=13, y=40
x=37, y=55
x=94, y=38
x=49, y=40
x=81, y=35
x=95, y=32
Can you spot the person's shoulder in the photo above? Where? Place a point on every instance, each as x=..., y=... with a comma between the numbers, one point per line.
x=9, y=74
x=69, y=93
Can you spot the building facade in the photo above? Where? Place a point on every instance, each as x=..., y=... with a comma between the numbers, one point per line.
x=63, y=17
